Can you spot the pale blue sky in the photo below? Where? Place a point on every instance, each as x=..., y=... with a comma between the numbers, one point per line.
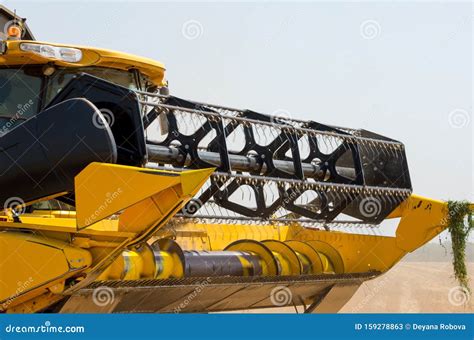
x=312, y=59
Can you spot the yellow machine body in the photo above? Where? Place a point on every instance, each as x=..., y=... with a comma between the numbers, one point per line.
x=63, y=251
x=97, y=57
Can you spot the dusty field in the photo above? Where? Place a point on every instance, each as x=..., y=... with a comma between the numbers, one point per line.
x=409, y=287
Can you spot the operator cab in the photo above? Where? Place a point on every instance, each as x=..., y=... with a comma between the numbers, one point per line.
x=33, y=73
x=25, y=91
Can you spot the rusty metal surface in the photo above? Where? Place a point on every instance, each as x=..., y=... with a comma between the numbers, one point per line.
x=195, y=295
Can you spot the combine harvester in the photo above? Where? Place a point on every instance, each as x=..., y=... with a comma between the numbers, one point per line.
x=122, y=198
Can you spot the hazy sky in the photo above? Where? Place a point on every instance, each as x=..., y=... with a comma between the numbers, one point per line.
x=403, y=70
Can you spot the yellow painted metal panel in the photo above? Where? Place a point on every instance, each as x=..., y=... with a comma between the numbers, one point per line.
x=30, y=261
x=91, y=57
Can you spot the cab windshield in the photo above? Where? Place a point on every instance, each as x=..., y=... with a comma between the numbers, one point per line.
x=25, y=91
x=61, y=77
x=19, y=93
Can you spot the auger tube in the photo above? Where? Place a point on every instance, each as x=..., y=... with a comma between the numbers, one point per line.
x=158, y=154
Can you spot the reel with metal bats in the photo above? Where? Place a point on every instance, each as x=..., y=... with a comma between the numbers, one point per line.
x=282, y=168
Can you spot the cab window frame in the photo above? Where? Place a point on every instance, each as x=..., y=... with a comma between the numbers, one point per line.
x=30, y=70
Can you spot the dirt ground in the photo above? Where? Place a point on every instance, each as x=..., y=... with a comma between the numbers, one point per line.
x=409, y=287
x=412, y=287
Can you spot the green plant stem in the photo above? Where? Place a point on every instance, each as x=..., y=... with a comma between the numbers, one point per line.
x=459, y=230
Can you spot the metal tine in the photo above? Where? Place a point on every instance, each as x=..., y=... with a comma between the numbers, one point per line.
x=338, y=198
x=386, y=150
x=258, y=138
x=399, y=153
x=381, y=148
x=393, y=200
x=389, y=200
x=266, y=132
x=392, y=152
x=365, y=147
x=372, y=149
x=249, y=191
x=333, y=145
x=213, y=207
x=325, y=141
x=233, y=218
x=275, y=132
x=328, y=145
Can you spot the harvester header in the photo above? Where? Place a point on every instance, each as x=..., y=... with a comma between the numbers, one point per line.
x=119, y=184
